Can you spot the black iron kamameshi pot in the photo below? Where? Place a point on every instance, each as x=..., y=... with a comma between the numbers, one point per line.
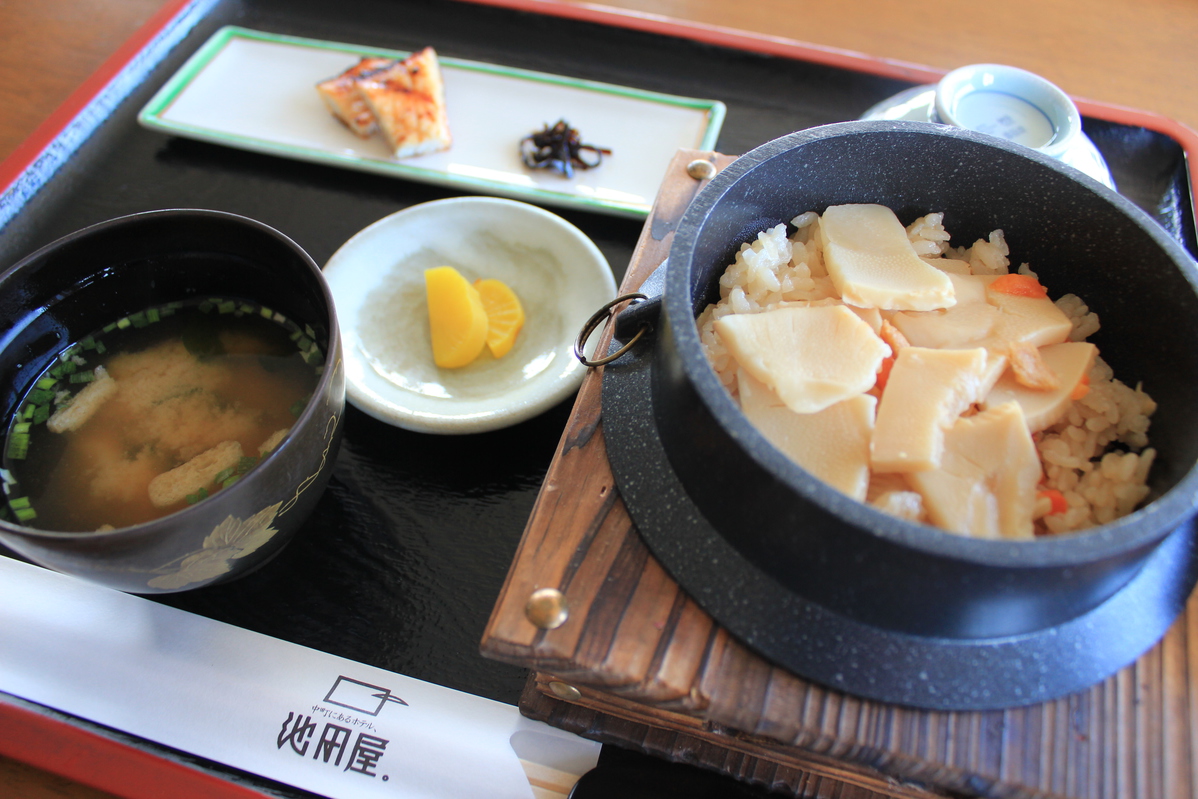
x=841, y=555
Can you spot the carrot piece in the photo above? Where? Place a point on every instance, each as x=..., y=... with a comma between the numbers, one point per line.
x=1019, y=286
x=1059, y=504
x=1081, y=389
x=884, y=373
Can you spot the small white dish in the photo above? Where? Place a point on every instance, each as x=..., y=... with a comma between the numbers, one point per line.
x=1007, y=102
x=377, y=282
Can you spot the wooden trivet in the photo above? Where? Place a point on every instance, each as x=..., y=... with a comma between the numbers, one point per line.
x=638, y=662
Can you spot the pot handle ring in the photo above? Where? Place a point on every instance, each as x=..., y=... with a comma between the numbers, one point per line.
x=598, y=318
x=639, y=314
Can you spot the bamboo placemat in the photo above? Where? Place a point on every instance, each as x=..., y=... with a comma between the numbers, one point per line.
x=638, y=662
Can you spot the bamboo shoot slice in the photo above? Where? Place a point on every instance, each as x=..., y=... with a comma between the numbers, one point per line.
x=1070, y=362
x=926, y=391
x=811, y=357
x=986, y=484
x=832, y=444
x=873, y=265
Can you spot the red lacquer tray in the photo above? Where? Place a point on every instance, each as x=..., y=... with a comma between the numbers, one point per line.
x=401, y=564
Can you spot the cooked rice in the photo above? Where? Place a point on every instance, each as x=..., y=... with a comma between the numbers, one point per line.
x=1097, y=455
x=1100, y=483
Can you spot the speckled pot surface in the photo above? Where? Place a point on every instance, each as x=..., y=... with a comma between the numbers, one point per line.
x=826, y=587
x=1079, y=236
x=90, y=278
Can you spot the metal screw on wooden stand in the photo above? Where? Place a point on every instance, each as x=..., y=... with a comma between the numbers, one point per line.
x=563, y=691
x=547, y=609
x=700, y=169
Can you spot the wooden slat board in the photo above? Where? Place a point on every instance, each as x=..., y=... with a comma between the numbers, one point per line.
x=683, y=737
x=641, y=654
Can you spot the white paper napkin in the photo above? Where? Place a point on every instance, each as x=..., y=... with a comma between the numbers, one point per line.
x=288, y=713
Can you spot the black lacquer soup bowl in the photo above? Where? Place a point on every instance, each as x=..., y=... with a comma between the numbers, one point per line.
x=114, y=270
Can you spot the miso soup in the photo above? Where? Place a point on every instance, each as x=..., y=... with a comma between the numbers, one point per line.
x=156, y=411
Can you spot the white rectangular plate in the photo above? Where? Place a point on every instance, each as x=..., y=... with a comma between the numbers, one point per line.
x=256, y=91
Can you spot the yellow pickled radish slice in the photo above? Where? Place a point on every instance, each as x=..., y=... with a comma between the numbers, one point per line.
x=505, y=315
x=457, y=319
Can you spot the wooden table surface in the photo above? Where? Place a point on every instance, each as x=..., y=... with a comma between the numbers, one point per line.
x=1139, y=54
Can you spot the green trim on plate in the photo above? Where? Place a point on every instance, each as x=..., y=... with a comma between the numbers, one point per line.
x=151, y=116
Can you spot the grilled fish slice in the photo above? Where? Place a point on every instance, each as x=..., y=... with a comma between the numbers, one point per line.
x=407, y=100
x=341, y=95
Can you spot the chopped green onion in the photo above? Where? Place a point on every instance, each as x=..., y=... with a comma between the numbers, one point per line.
x=230, y=480
x=47, y=382
x=21, y=427
x=25, y=514
x=123, y=323
x=64, y=368
x=227, y=306
x=40, y=396
x=139, y=319
x=18, y=446
x=152, y=315
x=223, y=475
x=197, y=496
x=246, y=463
x=108, y=328
x=265, y=312
x=100, y=348
x=83, y=377
x=41, y=413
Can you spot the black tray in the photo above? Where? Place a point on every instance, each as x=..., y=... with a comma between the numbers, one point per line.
x=402, y=560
